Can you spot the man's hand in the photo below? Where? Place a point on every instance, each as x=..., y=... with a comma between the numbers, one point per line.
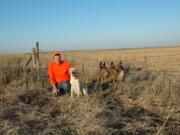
x=55, y=91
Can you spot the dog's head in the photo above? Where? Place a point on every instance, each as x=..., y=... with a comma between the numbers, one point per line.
x=120, y=63
x=102, y=65
x=121, y=67
x=74, y=73
x=112, y=66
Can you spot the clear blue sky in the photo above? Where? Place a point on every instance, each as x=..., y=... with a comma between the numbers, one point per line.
x=88, y=24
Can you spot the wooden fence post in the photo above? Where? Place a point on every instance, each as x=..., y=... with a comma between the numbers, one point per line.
x=37, y=54
x=28, y=61
x=34, y=57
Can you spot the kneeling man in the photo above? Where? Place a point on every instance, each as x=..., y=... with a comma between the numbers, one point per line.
x=59, y=75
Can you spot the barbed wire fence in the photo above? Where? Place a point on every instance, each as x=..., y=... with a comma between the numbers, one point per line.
x=145, y=62
x=89, y=65
x=169, y=70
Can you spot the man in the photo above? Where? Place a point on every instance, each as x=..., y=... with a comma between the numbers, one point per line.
x=59, y=75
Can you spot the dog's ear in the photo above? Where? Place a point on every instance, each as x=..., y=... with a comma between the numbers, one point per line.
x=120, y=63
x=112, y=64
x=120, y=68
x=104, y=64
x=100, y=64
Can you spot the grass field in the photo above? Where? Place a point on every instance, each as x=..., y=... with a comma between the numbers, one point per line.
x=148, y=102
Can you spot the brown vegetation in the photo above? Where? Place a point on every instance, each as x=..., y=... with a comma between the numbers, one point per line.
x=146, y=103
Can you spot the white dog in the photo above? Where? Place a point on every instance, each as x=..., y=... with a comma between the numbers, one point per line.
x=76, y=85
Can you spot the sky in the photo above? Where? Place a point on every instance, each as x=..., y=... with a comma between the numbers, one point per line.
x=88, y=24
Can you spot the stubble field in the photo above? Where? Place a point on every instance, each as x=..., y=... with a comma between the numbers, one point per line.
x=148, y=102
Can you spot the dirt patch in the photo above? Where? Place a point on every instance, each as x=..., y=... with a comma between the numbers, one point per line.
x=34, y=97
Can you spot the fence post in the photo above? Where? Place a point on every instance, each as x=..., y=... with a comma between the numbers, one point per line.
x=34, y=57
x=37, y=54
x=28, y=61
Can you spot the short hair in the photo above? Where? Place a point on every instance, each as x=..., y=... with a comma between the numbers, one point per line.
x=57, y=55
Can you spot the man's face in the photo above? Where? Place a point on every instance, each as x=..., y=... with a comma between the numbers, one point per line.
x=57, y=59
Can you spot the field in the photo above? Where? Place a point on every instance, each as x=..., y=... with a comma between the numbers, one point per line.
x=147, y=103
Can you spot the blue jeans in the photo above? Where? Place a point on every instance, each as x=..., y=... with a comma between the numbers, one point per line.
x=63, y=88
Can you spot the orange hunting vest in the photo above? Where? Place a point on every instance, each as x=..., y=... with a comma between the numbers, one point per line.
x=59, y=72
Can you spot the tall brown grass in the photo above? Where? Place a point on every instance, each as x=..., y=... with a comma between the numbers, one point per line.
x=146, y=103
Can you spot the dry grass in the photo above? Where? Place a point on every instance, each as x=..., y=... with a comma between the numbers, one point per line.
x=146, y=103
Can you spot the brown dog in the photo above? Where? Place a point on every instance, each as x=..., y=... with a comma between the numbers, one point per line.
x=113, y=72
x=110, y=75
x=121, y=72
x=103, y=73
x=120, y=75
